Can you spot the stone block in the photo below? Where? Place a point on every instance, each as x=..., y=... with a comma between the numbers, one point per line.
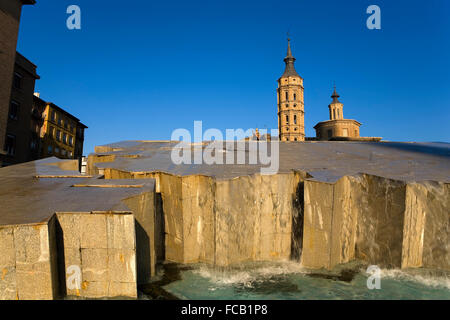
x=123, y=290
x=71, y=229
x=94, y=289
x=118, y=227
x=93, y=231
x=8, y=283
x=94, y=265
x=7, y=250
x=122, y=265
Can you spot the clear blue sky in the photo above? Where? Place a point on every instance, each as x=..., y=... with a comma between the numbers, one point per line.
x=140, y=69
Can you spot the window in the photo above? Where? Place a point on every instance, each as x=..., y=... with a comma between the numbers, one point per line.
x=295, y=119
x=53, y=118
x=338, y=112
x=50, y=149
x=330, y=133
x=295, y=105
x=287, y=95
x=287, y=119
x=64, y=138
x=14, y=110
x=33, y=144
x=58, y=136
x=10, y=144
x=334, y=114
x=17, y=80
x=63, y=152
x=295, y=97
x=70, y=141
x=60, y=121
x=70, y=154
x=345, y=132
x=295, y=139
x=287, y=106
x=51, y=132
x=56, y=150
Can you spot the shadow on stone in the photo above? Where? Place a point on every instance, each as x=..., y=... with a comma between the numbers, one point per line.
x=155, y=290
x=297, y=223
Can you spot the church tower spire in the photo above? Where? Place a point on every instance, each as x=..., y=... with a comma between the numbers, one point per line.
x=289, y=61
x=336, y=107
x=290, y=102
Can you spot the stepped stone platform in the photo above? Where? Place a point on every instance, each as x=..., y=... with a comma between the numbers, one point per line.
x=329, y=203
x=53, y=218
x=387, y=203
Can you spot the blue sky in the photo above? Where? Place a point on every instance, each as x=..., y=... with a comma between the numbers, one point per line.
x=139, y=70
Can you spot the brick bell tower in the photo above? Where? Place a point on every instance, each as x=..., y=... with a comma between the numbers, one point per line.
x=291, y=114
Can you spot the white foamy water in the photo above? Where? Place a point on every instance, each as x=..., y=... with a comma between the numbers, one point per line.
x=427, y=280
x=250, y=274
x=289, y=280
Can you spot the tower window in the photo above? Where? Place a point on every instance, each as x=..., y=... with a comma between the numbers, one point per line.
x=287, y=119
x=287, y=95
x=338, y=113
x=334, y=113
x=295, y=119
x=295, y=96
x=295, y=105
x=287, y=106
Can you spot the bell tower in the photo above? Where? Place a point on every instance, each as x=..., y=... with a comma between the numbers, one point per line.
x=336, y=107
x=291, y=114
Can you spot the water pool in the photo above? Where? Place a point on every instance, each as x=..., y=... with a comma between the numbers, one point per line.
x=288, y=281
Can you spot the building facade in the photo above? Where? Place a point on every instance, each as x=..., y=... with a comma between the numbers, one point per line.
x=10, y=12
x=19, y=144
x=339, y=128
x=290, y=100
x=62, y=134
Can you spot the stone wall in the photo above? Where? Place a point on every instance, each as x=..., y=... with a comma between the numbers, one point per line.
x=384, y=222
x=426, y=241
x=103, y=246
x=28, y=262
x=216, y=222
